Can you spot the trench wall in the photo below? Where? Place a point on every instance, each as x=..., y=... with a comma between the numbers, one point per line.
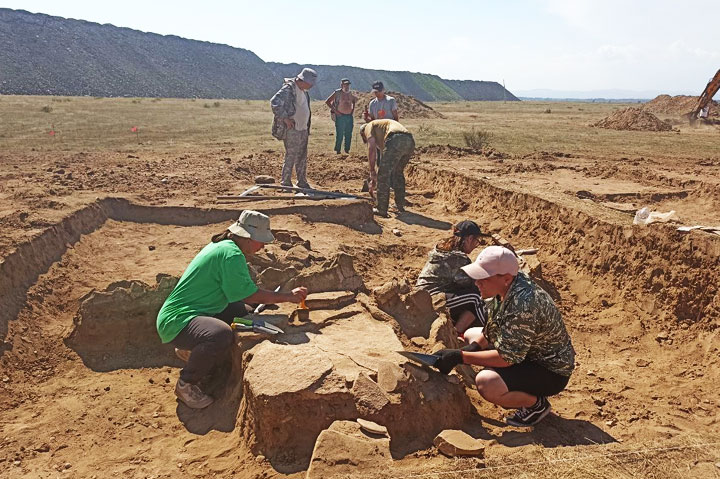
x=20, y=269
x=679, y=272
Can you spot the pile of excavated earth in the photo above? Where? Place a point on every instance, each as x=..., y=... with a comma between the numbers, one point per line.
x=676, y=106
x=635, y=119
x=408, y=106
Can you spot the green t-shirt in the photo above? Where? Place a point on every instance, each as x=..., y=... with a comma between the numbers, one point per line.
x=218, y=275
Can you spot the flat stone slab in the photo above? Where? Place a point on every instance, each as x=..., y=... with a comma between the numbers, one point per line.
x=330, y=300
x=453, y=442
x=276, y=369
x=372, y=427
x=343, y=449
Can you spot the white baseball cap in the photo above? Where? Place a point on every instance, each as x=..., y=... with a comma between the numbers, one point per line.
x=253, y=225
x=492, y=261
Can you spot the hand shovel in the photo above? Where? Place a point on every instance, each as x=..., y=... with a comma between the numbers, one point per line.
x=424, y=359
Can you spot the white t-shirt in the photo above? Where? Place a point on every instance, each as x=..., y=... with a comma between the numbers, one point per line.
x=302, y=110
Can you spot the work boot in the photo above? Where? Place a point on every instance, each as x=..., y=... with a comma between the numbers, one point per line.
x=377, y=212
x=191, y=395
x=529, y=416
x=183, y=354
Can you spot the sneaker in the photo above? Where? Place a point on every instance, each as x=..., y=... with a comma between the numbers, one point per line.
x=529, y=416
x=305, y=185
x=191, y=395
x=183, y=354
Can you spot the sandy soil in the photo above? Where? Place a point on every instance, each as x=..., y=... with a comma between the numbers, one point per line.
x=642, y=303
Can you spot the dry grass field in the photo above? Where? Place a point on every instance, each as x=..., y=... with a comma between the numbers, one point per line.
x=520, y=128
x=96, y=204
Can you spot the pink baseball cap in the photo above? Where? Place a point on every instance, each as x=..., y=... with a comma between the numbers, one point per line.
x=492, y=261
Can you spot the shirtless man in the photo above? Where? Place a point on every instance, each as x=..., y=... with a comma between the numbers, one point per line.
x=342, y=107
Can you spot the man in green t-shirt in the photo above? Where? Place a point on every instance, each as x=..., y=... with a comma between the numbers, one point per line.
x=196, y=316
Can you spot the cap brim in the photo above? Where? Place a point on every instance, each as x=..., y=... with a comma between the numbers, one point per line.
x=475, y=271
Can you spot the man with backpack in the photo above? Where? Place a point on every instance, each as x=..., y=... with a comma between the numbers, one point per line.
x=342, y=107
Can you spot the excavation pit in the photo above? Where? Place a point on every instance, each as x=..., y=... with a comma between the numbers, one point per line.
x=339, y=362
x=617, y=300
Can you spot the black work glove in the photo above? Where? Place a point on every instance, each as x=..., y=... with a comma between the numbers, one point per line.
x=471, y=348
x=449, y=358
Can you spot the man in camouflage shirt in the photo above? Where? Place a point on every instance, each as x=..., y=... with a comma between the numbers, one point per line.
x=524, y=347
x=291, y=124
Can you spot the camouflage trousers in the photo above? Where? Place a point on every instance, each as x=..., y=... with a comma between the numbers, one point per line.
x=399, y=147
x=296, y=142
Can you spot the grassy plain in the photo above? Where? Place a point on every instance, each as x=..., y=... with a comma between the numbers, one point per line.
x=520, y=128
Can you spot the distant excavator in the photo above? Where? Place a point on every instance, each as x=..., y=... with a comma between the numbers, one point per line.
x=704, y=101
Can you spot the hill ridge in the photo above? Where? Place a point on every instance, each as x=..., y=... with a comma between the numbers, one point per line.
x=49, y=55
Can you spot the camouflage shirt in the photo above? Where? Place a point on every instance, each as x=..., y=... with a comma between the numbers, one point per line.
x=528, y=325
x=283, y=106
x=442, y=272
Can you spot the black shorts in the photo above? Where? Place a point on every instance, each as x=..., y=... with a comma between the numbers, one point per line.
x=532, y=378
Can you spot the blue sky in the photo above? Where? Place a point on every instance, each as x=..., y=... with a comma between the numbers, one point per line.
x=642, y=46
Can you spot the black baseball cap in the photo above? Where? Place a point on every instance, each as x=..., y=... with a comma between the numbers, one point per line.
x=378, y=86
x=467, y=228
x=344, y=80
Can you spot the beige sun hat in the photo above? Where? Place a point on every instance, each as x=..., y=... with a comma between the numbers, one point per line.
x=253, y=225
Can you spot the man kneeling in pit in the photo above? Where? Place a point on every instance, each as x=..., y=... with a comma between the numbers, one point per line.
x=215, y=288
x=524, y=347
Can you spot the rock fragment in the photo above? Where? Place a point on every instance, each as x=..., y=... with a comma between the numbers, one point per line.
x=343, y=449
x=330, y=300
x=453, y=442
x=372, y=427
x=264, y=180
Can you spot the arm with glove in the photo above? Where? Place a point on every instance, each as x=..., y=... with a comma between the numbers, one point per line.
x=471, y=354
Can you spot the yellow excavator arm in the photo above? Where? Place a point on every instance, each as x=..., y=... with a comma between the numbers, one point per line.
x=712, y=87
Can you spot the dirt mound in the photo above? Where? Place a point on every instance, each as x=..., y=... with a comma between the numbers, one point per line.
x=677, y=105
x=408, y=106
x=633, y=118
x=295, y=388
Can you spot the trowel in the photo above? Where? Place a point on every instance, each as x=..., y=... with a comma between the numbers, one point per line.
x=424, y=359
x=255, y=325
